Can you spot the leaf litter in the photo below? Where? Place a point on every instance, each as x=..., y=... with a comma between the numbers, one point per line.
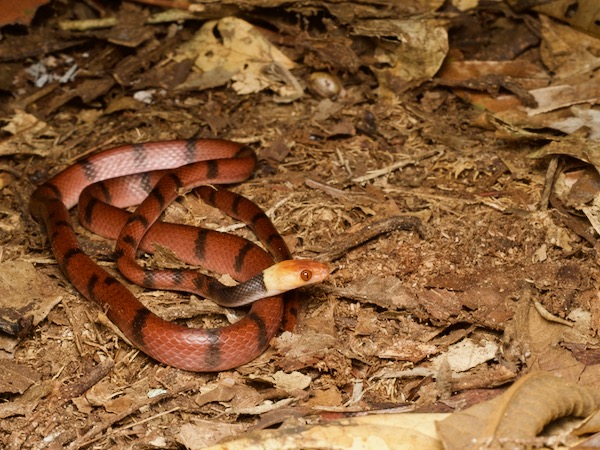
x=451, y=186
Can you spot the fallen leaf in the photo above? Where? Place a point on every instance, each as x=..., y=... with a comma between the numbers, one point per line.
x=29, y=135
x=232, y=49
x=198, y=434
x=291, y=381
x=25, y=294
x=326, y=397
x=376, y=432
x=466, y=354
x=414, y=55
x=517, y=417
x=16, y=378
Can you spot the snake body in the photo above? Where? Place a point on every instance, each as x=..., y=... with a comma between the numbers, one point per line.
x=153, y=175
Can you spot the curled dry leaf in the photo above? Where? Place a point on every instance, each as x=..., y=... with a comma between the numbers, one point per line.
x=578, y=189
x=516, y=417
x=385, y=431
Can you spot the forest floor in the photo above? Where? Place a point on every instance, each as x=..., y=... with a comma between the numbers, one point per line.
x=461, y=257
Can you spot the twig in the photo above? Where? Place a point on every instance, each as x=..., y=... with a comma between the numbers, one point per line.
x=397, y=165
x=367, y=231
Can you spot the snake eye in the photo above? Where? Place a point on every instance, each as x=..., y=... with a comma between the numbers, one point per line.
x=306, y=275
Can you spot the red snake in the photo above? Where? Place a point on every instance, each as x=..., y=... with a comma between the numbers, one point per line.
x=130, y=179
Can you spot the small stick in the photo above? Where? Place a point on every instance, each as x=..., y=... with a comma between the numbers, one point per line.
x=367, y=231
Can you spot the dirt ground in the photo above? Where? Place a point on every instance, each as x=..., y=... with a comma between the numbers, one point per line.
x=453, y=274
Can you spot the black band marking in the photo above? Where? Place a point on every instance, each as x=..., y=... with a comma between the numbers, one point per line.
x=241, y=256
x=138, y=218
x=159, y=198
x=54, y=190
x=213, y=353
x=261, y=333
x=178, y=184
x=200, y=244
x=72, y=252
x=105, y=192
x=138, y=323
x=118, y=254
x=178, y=276
x=146, y=182
x=62, y=223
x=110, y=280
x=190, y=150
x=213, y=289
x=281, y=246
x=212, y=169
x=89, y=169
x=149, y=277
x=91, y=285
x=139, y=155
x=200, y=282
x=260, y=215
x=89, y=210
x=212, y=196
x=130, y=240
x=236, y=204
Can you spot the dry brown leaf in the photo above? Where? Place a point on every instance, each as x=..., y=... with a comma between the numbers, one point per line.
x=535, y=338
x=556, y=97
x=563, y=101
x=580, y=190
x=288, y=382
x=24, y=293
x=16, y=378
x=301, y=350
x=326, y=397
x=388, y=292
x=232, y=49
x=583, y=15
x=466, y=354
x=514, y=419
x=387, y=431
x=419, y=53
x=576, y=145
x=569, y=53
x=198, y=434
x=27, y=402
x=29, y=135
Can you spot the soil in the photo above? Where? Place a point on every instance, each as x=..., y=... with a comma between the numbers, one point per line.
x=446, y=244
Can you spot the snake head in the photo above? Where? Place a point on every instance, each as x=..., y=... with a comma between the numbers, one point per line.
x=294, y=273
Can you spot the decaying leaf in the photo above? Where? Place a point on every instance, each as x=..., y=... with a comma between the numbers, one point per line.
x=388, y=431
x=232, y=49
x=414, y=56
x=200, y=433
x=466, y=354
x=29, y=135
x=24, y=294
x=523, y=94
x=578, y=189
x=16, y=377
x=584, y=15
x=514, y=419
